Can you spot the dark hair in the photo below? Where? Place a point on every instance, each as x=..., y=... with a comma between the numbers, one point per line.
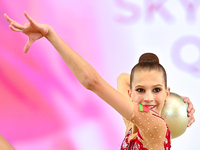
x=148, y=61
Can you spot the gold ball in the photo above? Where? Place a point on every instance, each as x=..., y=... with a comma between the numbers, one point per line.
x=175, y=114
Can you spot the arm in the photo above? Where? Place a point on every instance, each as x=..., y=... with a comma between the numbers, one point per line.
x=83, y=71
x=123, y=84
x=4, y=145
x=89, y=77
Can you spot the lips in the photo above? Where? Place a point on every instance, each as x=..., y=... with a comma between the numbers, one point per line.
x=151, y=106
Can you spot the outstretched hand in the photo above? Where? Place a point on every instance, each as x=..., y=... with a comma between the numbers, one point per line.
x=190, y=110
x=33, y=30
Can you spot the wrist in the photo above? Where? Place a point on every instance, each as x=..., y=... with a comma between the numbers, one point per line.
x=49, y=31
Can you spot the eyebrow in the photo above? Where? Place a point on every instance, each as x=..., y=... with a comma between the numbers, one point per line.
x=153, y=85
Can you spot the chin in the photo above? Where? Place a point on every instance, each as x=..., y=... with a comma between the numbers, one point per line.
x=157, y=111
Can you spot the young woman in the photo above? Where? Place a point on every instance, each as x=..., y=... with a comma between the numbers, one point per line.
x=147, y=61
x=123, y=86
x=148, y=88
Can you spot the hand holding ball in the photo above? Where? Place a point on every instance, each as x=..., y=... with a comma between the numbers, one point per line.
x=175, y=114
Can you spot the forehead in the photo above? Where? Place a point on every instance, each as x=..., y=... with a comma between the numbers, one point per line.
x=148, y=77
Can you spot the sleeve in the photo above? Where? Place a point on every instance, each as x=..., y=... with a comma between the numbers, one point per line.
x=151, y=126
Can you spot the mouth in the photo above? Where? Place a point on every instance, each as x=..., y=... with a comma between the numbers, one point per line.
x=151, y=107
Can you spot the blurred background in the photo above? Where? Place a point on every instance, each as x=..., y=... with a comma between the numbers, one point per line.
x=44, y=107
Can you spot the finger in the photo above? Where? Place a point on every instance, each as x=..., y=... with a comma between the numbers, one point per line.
x=28, y=45
x=18, y=26
x=190, y=107
x=8, y=18
x=192, y=120
x=14, y=29
x=43, y=29
x=185, y=99
x=26, y=48
x=191, y=112
x=29, y=18
x=14, y=25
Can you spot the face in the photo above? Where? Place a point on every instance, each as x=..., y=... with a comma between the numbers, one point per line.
x=148, y=88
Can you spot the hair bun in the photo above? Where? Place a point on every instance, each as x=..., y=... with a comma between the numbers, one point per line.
x=148, y=57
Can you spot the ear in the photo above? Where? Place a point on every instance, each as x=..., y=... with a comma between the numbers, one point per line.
x=168, y=92
x=129, y=93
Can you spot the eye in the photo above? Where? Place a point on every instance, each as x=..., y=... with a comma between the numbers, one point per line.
x=156, y=90
x=140, y=90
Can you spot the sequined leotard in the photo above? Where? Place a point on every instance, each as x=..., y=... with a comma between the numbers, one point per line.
x=153, y=133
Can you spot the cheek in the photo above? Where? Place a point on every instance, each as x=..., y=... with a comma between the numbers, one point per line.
x=137, y=98
x=160, y=100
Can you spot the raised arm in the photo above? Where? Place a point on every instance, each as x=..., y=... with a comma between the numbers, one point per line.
x=123, y=84
x=89, y=77
x=4, y=145
x=83, y=71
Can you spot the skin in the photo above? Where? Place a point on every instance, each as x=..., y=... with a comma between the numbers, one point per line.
x=148, y=88
x=123, y=86
x=82, y=70
x=4, y=144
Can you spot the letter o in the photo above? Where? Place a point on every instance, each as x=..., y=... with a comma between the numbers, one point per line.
x=193, y=68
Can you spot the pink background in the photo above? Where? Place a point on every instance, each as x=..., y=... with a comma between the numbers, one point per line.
x=44, y=107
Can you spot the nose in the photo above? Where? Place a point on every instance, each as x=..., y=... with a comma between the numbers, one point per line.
x=148, y=100
x=148, y=97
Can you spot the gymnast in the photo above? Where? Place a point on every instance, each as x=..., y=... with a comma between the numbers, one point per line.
x=148, y=88
x=124, y=86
